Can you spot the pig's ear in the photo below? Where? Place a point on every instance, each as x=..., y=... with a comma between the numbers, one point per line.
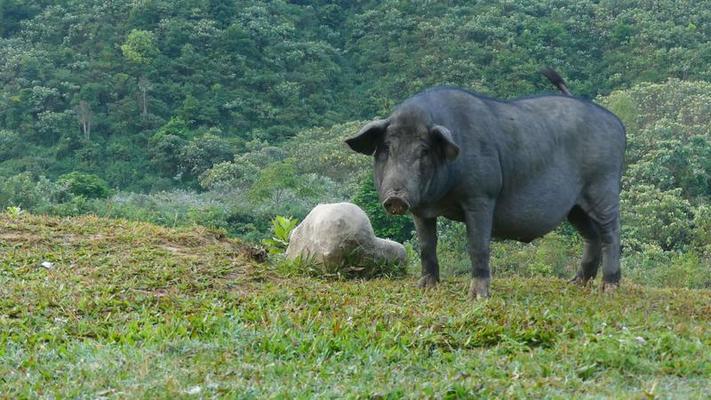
x=444, y=137
x=367, y=138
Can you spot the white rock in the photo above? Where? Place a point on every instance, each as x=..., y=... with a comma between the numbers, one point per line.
x=194, y=390
x=47, y=264
x=341, y=234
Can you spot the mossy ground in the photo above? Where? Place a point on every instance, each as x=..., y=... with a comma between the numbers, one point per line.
x=131, y=310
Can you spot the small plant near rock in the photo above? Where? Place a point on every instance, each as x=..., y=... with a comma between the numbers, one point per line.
x=281, y=229
x=14, y=211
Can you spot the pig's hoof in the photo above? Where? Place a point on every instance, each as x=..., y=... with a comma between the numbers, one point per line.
x=609, y=287
x=580, y=281
x=427, y=281
x=479, y=288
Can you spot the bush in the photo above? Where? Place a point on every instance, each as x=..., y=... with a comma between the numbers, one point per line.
x=166, y=151
x=226, y=175
x=201, y=153
x=653, y=216
x=702, y=229
x=244, y=170
x=656, y=267
x=30, y=193
x=87, y=185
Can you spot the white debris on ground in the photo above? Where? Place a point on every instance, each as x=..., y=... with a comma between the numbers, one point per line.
x=47, y=265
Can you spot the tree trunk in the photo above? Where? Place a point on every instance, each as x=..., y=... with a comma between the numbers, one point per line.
x=144, y=85
x=85, y=118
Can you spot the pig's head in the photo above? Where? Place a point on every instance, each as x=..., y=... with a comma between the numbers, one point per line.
x=411, y=156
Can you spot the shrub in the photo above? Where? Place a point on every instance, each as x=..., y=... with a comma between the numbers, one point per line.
x=34, y=194
x=656, y=267
x=87, y=185
x=702, y=229
x=166, y=151
x=201, y=153
x=653, y=216
x=226, y=174
x=11, y=145
x=556, y=254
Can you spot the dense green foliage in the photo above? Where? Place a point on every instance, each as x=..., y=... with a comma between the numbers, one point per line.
x=131, y=310
x=86, y=185
x=148, y=94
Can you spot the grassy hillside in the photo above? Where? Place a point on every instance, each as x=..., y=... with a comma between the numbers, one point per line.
x=133, y=310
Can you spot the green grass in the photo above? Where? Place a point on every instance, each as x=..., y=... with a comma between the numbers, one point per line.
x=131, y=310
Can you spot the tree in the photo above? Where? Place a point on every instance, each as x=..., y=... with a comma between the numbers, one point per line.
x=203, y=152
x=85, y=118
x=144, y=85
x=11, y=145
x=139, y=47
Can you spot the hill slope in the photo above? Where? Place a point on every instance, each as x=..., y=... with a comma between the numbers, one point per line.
x=133, y=310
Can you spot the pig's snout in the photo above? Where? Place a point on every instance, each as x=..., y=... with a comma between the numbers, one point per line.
x=396, y=205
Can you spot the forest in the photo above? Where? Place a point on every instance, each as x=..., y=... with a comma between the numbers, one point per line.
x=228, y=113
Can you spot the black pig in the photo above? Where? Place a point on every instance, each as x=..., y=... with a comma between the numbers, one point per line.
x=507, y=169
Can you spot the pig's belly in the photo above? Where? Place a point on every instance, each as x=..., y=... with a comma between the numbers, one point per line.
x=531, y=212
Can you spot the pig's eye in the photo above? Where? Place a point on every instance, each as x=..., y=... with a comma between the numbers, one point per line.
x=424, y=152
x=385, y=149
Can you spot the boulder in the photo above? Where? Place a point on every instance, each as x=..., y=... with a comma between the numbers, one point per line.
x=340, y=234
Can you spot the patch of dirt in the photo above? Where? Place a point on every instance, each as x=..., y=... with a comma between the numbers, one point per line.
x=26, y=237
x=17, y=237
x=250, y=252
x=22, y=238
x=181, y=251
x=257, y=254
x=158, y=293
